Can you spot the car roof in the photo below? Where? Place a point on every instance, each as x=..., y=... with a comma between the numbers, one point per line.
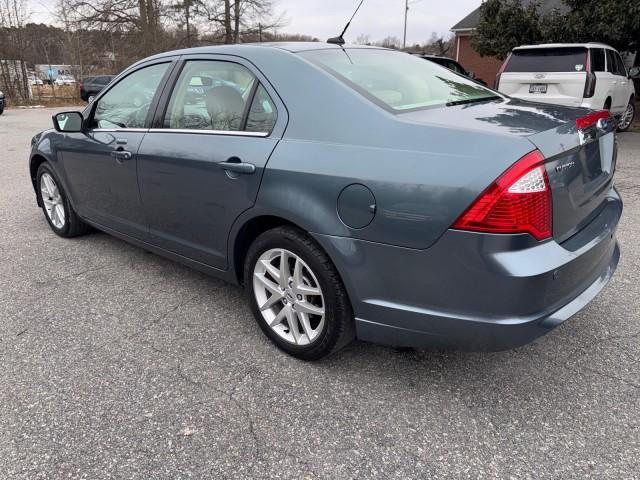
x=566, y=45
x=293, y=47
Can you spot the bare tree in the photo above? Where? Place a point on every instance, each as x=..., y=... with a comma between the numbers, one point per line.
x=189, y=10
x=13, y=70
x=237, y=18
x=142, y=17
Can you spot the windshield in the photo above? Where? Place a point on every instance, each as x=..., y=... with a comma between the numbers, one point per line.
x=547, y=60
x=398, y=81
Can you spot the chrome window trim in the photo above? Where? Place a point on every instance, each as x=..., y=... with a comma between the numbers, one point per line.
x=111, y=130
x=234, y=133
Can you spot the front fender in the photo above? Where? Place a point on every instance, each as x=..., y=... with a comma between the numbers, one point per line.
x=45, y=147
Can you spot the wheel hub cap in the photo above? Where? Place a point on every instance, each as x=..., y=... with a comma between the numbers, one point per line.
x=289, y=296
x=52, y=200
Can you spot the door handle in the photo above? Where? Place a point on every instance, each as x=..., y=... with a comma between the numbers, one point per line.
x=121, y=155
x=235, y=165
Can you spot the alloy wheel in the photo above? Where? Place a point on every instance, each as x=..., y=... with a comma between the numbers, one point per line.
x=52, y=200
x=627, y=117
x=289, y=296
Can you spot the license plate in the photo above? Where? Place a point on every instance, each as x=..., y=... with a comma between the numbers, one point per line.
x=538, y=88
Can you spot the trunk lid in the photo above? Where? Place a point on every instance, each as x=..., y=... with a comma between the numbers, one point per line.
x=580, y=166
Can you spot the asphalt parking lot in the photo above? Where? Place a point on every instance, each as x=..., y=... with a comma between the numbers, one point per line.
x=116, y=363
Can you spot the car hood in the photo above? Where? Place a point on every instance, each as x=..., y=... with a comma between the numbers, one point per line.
x=508, y=117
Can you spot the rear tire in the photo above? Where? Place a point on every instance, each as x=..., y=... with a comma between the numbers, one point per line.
x=317, y=288
x=57, y=209
x=626, y=120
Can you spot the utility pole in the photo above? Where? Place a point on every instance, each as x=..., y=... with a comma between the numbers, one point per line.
x=406, y=13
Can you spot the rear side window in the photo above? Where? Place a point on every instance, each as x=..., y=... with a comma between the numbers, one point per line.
x=597, y=60
x=262, y=114
x=210, y=95
x=219, y=96
x=547, y=60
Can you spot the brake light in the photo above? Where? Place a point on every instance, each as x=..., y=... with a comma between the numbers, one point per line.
x=496, y=86
x=519, y=201
x=590, y=82
x=585, y=122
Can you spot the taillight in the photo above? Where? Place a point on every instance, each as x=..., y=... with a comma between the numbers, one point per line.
x=590, y=85
x=519, y=201
x=585, y=122
x=496, y=86
x=590, y=82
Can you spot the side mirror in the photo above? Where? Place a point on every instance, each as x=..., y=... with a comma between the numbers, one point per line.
x=68, y=122
x=472, y=75
x=634, y=72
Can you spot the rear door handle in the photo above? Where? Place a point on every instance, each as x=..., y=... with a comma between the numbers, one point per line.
x=121, y=155
x=235, y=165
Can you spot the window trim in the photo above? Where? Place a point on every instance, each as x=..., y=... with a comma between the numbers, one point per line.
x=152, y=106
x=232, y=133
x=157, y=125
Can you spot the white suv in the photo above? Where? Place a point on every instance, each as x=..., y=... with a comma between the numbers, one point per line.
x=590, y=75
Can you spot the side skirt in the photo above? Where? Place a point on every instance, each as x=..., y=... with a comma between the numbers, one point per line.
x=226, y=275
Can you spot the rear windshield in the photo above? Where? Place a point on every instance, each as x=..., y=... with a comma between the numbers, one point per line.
x=397, y=81
x=547, y=60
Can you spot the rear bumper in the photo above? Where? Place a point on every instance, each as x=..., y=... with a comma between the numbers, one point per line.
x=473, y=291
x=554, y=100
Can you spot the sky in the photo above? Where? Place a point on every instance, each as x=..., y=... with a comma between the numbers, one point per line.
x=326, y=18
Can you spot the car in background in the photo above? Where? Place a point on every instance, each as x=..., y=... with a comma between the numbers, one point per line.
x=64, y=80
x=589, y=75
x=35, y=81
x=1, y=103
x=451, y=64
x=91, y=86
x=353, y=191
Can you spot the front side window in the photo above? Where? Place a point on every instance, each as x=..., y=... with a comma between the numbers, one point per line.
x=397, y=81
x=568, y=59
x=210, y=95
x=126, y=105
x=620, y=68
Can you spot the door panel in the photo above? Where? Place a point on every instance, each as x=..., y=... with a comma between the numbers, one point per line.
x=101, y=162
x=217, y=112
x=191, y=202
x=105, y=188
x=621, y=94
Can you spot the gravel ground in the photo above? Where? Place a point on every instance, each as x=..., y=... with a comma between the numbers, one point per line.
x=116, y=363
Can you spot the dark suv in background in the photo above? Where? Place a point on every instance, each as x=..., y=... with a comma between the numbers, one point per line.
x=451, y=64
x=91, y=86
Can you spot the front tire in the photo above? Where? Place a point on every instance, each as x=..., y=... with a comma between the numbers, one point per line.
x=626, y=120
x=296, y=294
x=57, y=209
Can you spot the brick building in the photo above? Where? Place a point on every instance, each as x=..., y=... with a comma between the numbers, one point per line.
x=485, y=68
